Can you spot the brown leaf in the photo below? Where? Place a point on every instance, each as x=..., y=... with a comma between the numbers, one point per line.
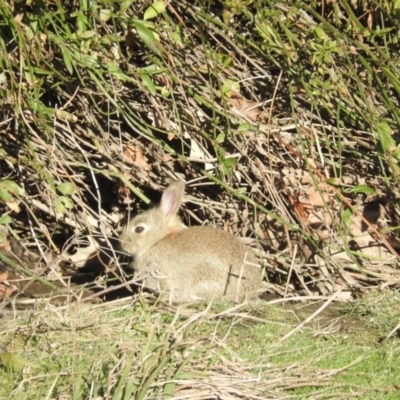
x=3, y=276
x=171, y=136
x=136, y=157
x=300, y=211
x=5, y=245
x=246, y=109
x=5, y=290
x=14, y=205
x=123, y=191
x=167, y=157
x=317, y=199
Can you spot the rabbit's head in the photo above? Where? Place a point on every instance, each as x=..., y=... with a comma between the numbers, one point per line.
x=149, y=227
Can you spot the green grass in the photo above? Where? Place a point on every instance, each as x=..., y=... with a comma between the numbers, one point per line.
x=151, y=351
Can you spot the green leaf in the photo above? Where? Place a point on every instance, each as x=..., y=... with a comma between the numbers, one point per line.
x=147, y=36
x=332, y=181
x=5, y=219
x=82, y=22
x=147, y=82
x=157, y=8
x=66, y=188
x=241, y=190
x=29, y=33
x=113, y=68
x=12, y=362
x=225, y=60
x=363, y=189
x=165, y=92
x=67, y=59
x=105, y=15
x=346, y=217
x=220, y=138
x=59, y=206
x=227, y=164
x=5, y=195
x=41, y=71
x=68, y=203
x=12, y=187
x=230, y=86
x=63, y=204
x=88, y=34
x=245, y=127
x=385, y=136
x=149, y=69
x=319, y=33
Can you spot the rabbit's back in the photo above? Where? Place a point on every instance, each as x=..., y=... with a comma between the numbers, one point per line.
x=200, y=263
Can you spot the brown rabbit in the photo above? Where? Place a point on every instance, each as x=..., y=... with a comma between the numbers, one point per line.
x=188, y=264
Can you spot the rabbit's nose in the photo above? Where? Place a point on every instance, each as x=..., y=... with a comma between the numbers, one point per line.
x=128, y=246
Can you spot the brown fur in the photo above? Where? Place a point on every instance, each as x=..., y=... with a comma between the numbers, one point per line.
x=189, y=264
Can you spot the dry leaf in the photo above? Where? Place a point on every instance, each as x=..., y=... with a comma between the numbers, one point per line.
x=316, y=199
x=5, y=245
x=167, y=157
x=300, y=211
x=243, y=108
x=83, y=254
x=3, y=276
x=135, y=156
x=196, y=152
x=171, y=136
x=312, y=163
x=14, y=205
x=5, y=290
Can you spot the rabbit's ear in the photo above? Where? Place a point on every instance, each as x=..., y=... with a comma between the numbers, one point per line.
x=172, y=198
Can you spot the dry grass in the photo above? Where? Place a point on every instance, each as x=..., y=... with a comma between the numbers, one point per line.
x=105, y=113
x=139, y=349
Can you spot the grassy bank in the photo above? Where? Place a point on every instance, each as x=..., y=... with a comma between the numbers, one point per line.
x=133, y=348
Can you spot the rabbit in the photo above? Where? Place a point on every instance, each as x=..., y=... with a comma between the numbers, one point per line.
x=188, y=264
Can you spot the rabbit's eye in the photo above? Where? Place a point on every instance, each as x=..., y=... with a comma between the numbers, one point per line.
x=139, y=229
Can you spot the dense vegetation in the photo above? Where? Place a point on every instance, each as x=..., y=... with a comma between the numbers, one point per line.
x=282, y=117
